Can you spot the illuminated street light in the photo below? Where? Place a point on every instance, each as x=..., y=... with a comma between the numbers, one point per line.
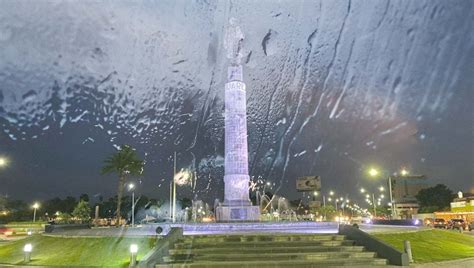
x=373, y=172
x=35, y=207
x=404, y=172
x=329, y=199
x=381, y=188
x=268, y=183
x=331, y=193
x=3, y=161
x=367, y=196
x=362, y=190
x=315, y=193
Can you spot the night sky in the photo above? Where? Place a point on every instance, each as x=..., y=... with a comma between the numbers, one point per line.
x=333, y=88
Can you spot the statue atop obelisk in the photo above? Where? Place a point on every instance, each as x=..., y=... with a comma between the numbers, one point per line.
x=236, y=205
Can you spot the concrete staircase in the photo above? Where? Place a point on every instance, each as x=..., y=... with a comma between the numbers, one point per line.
x=269, y=250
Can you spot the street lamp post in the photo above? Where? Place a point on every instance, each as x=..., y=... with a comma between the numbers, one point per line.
x=375, y=208
x=367, y=196
x=324, y=206
x=403, y=173
x=373, y=173
x=264, y=186
x=174, y=189
x=331, y=193
x=171, y=200
x=346, y=203
x=131, y=187
x=35, y=207
x=392, y=206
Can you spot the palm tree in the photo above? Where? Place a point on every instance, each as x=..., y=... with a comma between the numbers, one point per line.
x=124, y=162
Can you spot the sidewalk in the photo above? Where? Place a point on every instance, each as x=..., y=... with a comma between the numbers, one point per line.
x=462, y=263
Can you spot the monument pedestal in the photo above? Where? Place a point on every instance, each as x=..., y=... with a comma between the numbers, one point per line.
x=237, y=213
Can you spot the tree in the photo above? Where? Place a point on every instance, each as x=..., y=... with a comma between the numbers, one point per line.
x=82, y=211
x=84, y=197
x=328, y=211
x=62, y=205
x=65, y=218
x=383, y=211
x=434, y=198
x=123, y=163
x=186, y=203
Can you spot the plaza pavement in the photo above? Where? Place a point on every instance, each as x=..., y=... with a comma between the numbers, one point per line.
x=462, y=263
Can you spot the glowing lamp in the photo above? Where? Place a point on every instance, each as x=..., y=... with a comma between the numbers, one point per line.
x=27, y=248
x=133, y=248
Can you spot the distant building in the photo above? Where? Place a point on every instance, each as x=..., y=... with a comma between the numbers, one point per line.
x=404, y=191
x=462, y=207
x=463, y=203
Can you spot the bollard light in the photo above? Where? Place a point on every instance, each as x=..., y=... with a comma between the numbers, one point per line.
x=133, y=248
x=133, y=255
x=27, y=250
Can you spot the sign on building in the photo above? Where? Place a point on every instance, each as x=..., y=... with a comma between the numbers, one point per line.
x=308, y=184
x=460, y=204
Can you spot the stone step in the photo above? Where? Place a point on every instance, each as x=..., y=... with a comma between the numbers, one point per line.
x=271, y=256
x=359, y=262
x=255, y=244
x=237, y=238
x=267, y=249
x=264, y=235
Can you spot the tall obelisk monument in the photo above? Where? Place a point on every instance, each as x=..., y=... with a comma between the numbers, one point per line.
x=236, y=205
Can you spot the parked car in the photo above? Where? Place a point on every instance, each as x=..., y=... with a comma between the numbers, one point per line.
x=6, y=231
x=471, y=226
x=439, y=223
x=457, y=224
x=428, y=222
x=357, y=220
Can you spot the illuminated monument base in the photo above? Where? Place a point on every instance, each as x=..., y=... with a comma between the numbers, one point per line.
x=237, y=213
x=237, y=206
x=237, y=210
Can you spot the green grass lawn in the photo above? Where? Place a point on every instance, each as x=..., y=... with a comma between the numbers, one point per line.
x=433, y=245
x=101, y=251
